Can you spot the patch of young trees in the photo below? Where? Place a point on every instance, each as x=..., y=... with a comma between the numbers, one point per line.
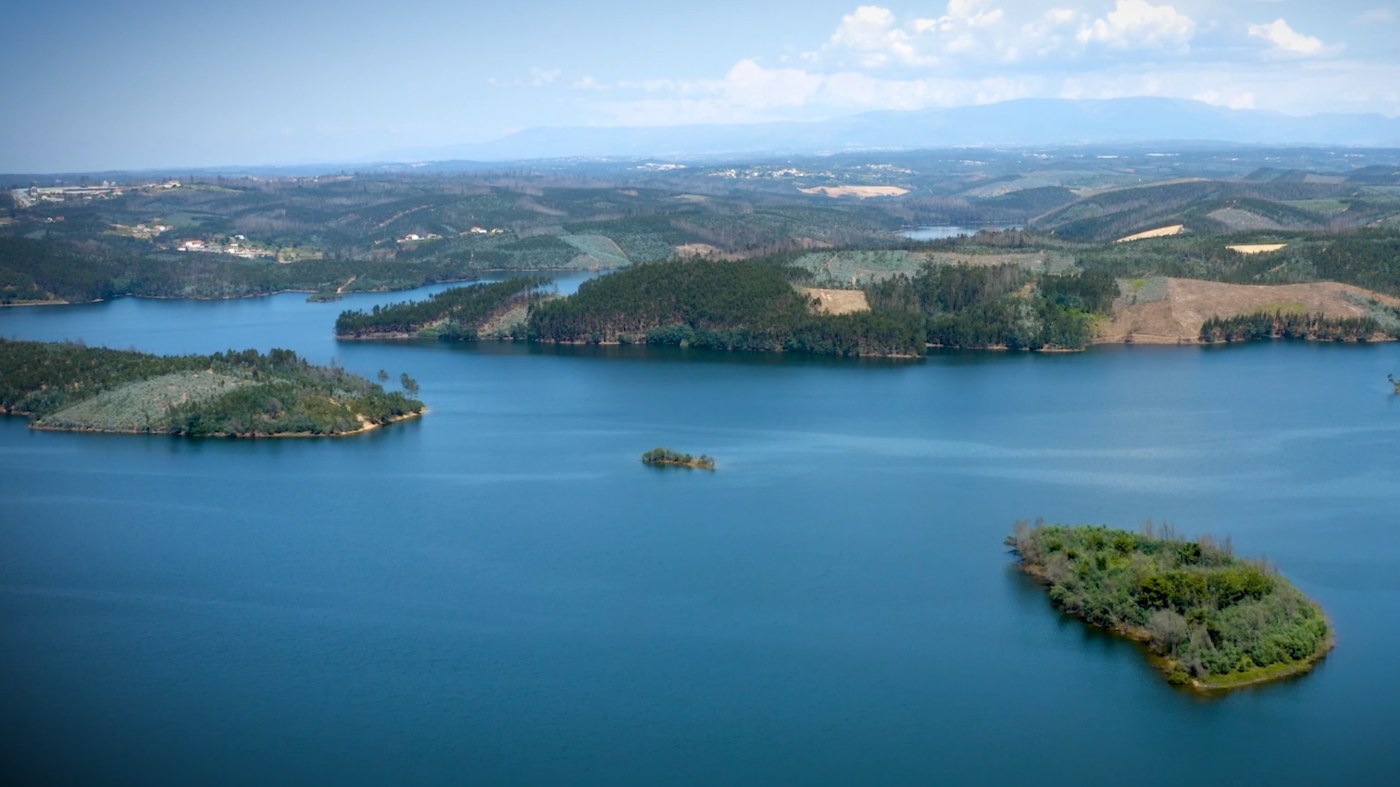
x=1280, y=325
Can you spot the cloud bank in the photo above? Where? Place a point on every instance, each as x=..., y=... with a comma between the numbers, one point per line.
x=983, y=51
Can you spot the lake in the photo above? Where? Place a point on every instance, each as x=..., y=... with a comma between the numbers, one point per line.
x=501, y=593
x=945, y=231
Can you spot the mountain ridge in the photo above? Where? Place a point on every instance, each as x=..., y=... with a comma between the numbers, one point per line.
x=1029, y=122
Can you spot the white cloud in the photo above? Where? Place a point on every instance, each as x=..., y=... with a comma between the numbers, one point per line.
x=979, y=52
x=870, y=36
x=1376, y=16
x=960, y=14
x=1288, y=41
x=750, y=85
x=1138, y=24
x=539, y=77
x=968, y=31
x=1053, y=32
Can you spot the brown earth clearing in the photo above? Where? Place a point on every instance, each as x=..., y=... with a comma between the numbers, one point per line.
x=1160, y=232
x=1171, y=311
x=857, y=191
x=838, y=301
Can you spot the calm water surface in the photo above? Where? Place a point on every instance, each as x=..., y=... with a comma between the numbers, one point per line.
x=499, y=593
x=945, y=231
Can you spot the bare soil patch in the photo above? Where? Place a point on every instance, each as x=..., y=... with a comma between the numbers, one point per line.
x=704, y=250
x=1160, y=232
x=838, y=301
x=1256, y=248
x=1177, y=317
x=857, y=191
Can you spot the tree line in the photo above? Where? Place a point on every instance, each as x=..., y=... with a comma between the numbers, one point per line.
x=57, y=270
x=1282, y=325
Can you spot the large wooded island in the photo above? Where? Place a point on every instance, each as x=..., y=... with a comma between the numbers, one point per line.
x=70, y=387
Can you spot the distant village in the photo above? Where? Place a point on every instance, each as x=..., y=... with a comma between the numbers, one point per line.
x=236, y=245
x=29, y=197
x=415, y=237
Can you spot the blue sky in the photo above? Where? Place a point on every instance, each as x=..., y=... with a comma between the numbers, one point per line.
x=153, y=83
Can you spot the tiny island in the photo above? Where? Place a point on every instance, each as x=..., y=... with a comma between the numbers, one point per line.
x=665, y=457
x=1211, y=621
x=71, y=387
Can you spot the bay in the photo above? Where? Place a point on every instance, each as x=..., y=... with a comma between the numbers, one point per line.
x=501, y=593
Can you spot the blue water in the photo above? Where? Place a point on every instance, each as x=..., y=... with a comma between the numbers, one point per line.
x=500, y=593
x=945, y=231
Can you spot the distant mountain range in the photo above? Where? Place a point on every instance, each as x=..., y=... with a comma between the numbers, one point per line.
x=1010, y=123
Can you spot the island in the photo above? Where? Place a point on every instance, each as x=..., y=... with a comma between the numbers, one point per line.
x=665, y=457
x=71, y=387
x=1211, y=621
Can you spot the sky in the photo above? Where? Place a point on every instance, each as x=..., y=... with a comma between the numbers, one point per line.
x=92, y=85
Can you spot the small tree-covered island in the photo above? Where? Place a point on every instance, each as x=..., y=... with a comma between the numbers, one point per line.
x=70, y=387
x=1212, y=621
x=665, y=457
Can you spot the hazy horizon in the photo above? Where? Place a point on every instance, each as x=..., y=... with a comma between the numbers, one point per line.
x=155, y=84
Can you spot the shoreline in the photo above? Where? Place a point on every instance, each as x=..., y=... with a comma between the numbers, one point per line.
x=1209, y=686
x=475, y=277
x=366, y=426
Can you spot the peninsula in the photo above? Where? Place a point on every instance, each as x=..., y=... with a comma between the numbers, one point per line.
x=496, y=310
x=70, y=387
x=665, y=457
x=1211, y=620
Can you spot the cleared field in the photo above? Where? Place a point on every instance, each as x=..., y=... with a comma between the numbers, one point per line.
x=1256, y=248
x=865, y=266
x=599, y=249
x=1175, y=308
x=1238, y=219
x=1160, y=232
x=501, y=324
x=857, y=191
x=837, y=301
x=145, y=404
x=701, y=250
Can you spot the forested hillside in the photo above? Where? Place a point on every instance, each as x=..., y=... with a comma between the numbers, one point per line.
x=729, y=305
x=459, y=313
x=999, y=305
